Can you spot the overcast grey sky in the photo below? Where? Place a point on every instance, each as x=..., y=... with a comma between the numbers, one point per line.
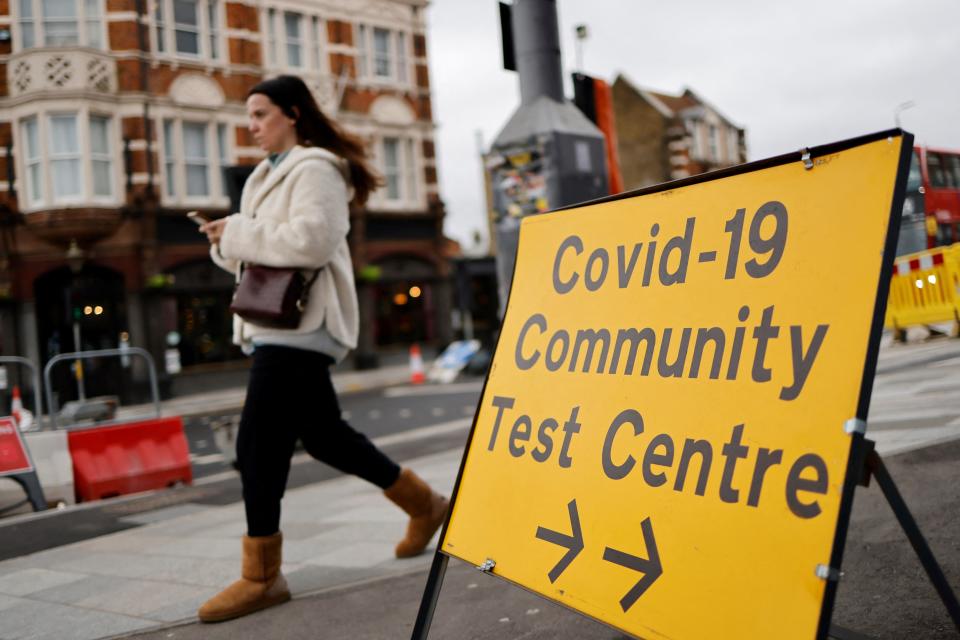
x=793, y=73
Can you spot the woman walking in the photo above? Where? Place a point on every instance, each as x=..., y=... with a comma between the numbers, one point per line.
x=295, y=213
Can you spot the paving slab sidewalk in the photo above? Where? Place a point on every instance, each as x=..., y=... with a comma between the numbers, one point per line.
x=336, y=533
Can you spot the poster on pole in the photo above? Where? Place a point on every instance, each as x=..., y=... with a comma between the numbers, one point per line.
x=664, y=439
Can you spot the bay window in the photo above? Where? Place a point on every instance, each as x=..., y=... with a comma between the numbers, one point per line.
x=60, y=23
x=57, y=170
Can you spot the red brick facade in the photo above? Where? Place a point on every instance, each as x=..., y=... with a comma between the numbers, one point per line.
x=144, y=236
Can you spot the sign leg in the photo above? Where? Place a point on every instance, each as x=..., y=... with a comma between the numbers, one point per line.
x=31, y=485
x=930, y=565
x=430, y=596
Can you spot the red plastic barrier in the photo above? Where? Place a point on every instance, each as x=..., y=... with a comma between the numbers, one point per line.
x=127, y=458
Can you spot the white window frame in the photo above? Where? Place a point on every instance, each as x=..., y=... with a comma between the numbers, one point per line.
x=395, y=58
x=271, y=38
x=733, y=145
x=317, y=43
x=204, y=162
x=277, y=41
x=300, y=42
x=86, y=26
x=74, y=157
x=409, y=173
x=713, y=142
x=106, y=157
x=695, y=142
x=209, y=29
x=43, y=121
x=402, y=51
x=32, y=158
x=171, y=132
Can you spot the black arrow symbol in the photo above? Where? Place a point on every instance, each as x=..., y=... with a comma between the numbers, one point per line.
x=573, y=544
x=651, y=568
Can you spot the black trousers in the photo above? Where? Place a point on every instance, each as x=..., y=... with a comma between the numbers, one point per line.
x=290, y=396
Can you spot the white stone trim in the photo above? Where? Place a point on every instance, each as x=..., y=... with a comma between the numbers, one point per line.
x=143, y=178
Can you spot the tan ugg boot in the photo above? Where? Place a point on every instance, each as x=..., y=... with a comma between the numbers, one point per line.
x=261, y=585
x=427, y=510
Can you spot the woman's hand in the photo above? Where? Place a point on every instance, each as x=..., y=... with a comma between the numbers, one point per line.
x=214, y=230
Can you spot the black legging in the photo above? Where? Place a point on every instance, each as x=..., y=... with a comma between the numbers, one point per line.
x=290, y=396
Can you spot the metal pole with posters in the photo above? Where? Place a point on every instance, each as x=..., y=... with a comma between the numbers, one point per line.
x=683, y=354
x=548, y=154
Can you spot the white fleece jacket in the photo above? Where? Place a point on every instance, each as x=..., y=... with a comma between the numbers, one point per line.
x=296, y=215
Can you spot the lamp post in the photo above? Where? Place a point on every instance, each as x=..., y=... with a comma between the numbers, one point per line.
x=903, y=106
x=75, y=257
x=582, y=34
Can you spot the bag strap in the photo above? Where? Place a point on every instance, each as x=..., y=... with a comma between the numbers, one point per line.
x=305, y=296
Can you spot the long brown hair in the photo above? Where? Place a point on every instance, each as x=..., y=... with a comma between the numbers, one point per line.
x=296, y=102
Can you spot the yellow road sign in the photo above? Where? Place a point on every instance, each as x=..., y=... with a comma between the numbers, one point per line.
x=663, y=438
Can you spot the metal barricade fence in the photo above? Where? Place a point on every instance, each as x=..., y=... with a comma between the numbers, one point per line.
x=925, y=289
x=87, y=355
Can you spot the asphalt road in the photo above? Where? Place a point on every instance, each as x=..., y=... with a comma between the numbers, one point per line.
x=377, y=413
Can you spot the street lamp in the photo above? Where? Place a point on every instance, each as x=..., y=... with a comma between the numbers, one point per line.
x=75, y=256
x=581, y=32
x=903, y=106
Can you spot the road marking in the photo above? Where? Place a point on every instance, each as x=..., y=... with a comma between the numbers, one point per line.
x=429, y=390
x=207, y=459
x=422, y=433
x=345, y=415
x=438, y=411
x=374, y=414
x=405, y=413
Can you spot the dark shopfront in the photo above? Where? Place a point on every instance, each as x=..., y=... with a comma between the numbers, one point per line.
x=82, y=311
x=191, y=313
x=411, y=304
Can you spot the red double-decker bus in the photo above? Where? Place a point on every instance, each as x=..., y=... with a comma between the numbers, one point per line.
x=931, y=209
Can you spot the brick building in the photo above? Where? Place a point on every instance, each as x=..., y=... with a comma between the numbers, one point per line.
x=663, y=137
x=119, y=116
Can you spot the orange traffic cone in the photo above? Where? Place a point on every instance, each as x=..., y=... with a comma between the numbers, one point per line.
x=16, y=404
x=416, y=365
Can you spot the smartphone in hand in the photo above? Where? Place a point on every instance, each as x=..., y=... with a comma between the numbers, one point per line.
x=196, y=217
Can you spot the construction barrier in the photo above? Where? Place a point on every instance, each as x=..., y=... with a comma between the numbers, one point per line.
x=925, y=289
x=129, y=458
